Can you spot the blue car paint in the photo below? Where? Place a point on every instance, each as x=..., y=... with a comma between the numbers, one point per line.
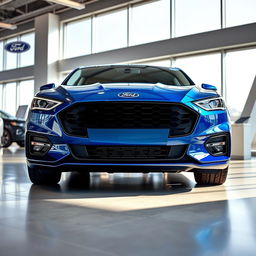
x=209, y=123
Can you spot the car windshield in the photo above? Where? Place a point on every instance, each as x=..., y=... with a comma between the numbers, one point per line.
x=128, y=74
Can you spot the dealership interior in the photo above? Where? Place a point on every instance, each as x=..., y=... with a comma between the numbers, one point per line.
x=131, y=213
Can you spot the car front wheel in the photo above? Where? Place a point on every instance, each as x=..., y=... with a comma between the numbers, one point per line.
x=43, y=175
x=6, y=139
x=207, y=178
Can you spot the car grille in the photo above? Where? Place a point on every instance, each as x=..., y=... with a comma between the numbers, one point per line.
x=179, y=119
x=128, y=152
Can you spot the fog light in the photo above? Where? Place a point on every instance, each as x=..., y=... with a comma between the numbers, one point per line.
x=39, y=145
x=217, y=145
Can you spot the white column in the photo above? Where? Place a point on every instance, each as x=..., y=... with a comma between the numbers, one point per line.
x=241, y=141
x=46, y=49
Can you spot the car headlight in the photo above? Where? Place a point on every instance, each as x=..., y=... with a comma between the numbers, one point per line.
x=44, y=103
x=211, y=104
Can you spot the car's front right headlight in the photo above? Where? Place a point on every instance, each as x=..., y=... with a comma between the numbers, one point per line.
x=44, y=103
x=211, y=104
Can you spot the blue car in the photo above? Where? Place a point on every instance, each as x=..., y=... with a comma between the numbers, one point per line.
x=128, y=118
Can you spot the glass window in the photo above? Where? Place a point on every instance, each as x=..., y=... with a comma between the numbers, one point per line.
x=150, y=22
x=240, y=12
x=11, y=57
x=110, y=31
x=27, y=58
x=25, y=92
x=10, y=98
x=1, y=55
x=196, y=16
x=202, y=68
x=240, y=73
x=77, y=38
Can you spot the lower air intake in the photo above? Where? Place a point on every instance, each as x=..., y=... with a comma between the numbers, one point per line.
x=128, y=152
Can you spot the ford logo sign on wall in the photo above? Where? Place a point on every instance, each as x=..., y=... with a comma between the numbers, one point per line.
x=17, y=47
x=128, y=95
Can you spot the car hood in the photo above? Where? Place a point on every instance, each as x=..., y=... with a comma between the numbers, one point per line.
x=111, y=92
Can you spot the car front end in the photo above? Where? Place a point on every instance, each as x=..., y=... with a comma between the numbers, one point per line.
x=128, y=127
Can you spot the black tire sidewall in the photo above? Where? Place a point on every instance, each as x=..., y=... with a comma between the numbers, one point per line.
x=9, y=142
x=43, y=175
x=208, y=178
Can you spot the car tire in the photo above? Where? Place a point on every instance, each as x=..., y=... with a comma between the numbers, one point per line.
x=6, y=139
x=44, y=175
x=207, y=178
x=21, y=143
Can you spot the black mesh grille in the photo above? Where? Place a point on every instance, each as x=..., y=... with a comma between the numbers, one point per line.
x=128, y=152
x=176, y=117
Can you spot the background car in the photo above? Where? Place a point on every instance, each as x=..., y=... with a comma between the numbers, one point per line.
x=14, y=130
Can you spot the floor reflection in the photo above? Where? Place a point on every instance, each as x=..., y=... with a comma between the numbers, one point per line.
x=126, y=214
x=127, y=182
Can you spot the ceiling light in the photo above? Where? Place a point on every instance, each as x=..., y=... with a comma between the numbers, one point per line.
x=69, y=3
x=8, y=26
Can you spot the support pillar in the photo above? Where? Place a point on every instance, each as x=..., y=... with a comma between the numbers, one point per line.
x=241, y=141
x=46, y=49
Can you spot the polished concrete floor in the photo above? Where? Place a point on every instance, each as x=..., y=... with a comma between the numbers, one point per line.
x=126, y=214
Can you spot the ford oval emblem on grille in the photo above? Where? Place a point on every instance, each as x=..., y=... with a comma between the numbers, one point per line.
x=128, y=95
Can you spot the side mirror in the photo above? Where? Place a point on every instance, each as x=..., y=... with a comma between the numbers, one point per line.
x=47, y=86
x=209, y=87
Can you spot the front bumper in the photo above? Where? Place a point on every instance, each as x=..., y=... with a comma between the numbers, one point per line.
x=67, y=166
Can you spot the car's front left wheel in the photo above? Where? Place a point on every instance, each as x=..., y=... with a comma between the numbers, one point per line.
x=43, y=175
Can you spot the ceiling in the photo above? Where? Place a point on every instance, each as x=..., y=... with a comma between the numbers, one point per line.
x=18, y=11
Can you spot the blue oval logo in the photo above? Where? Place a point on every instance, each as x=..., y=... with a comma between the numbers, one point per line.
x=128, y=95
x=17, y=47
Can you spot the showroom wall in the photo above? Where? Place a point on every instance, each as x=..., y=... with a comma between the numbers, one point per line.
x=152, y=32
